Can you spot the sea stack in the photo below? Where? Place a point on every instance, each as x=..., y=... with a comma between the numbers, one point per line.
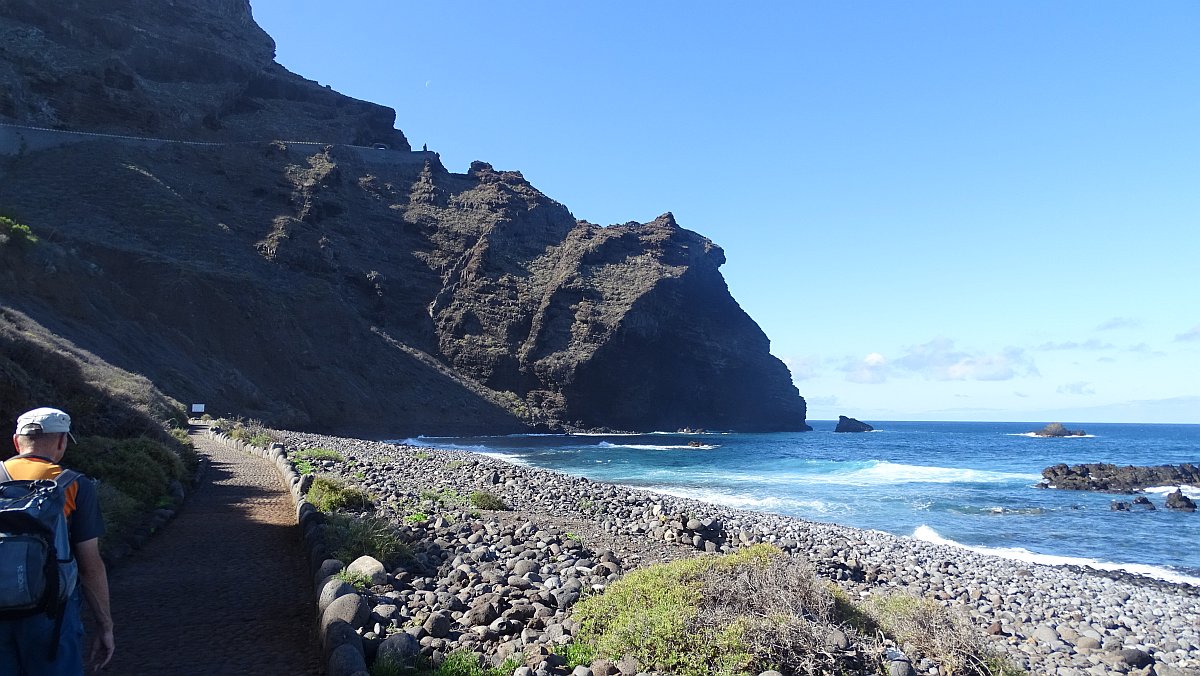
x=851, y=425
x=1057, y=430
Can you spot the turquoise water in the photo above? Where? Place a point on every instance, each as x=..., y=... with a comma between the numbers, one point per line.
x=971, y=484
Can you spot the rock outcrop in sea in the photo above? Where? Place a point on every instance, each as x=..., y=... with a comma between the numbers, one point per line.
x=1110, y=478
x=1057, y=430
x=845, y=424
x=278, y=266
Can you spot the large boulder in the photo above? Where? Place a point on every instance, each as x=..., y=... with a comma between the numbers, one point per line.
x=851, y=425
x=1181, y=502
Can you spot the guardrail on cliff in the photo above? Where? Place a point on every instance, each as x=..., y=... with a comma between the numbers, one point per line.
x=17, y=140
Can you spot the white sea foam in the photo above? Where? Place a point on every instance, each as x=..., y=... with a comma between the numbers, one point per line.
x=1192, y=492
x=442, y=446
x=883, y=472
x=742, y=501
x=927, y=534
x=1035, y=435
x=655, y=447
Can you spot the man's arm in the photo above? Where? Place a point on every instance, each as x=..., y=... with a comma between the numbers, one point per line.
x=94, y=577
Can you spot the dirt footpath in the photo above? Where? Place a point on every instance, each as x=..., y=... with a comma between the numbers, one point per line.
x=224, y=588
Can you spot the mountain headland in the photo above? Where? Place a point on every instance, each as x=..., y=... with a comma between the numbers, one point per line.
x=247, y=238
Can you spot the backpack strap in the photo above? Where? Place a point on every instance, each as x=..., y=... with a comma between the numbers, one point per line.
x=5, y=477
x=65, y=478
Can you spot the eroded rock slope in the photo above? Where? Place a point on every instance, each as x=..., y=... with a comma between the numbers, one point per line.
x=334, y=287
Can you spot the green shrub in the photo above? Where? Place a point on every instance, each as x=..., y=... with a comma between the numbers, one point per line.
x=421, y=455
x=454, y=464
x=121, y=513
x=305, y=467
x=15, y=233
x=319, y=454
x=329, y=494
x=444, y=498
x=351, y=535
x=252, y=432
x=933, y=632
x=649, y=614
x=759, y=609
x=489, y=501
x=140, y=468
x=416, y=517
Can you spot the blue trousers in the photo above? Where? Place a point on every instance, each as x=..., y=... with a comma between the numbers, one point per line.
x=25, y=643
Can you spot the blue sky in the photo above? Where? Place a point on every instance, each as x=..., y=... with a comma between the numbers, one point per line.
x=935, y=210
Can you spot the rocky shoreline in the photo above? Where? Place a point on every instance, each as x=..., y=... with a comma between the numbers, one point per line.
x=568, y=535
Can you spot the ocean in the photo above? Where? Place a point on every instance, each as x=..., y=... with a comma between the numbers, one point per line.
x=969, y=484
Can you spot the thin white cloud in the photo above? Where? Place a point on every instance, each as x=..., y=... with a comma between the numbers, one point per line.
x=1190, y=335
x=1119, y=323
x=1091, y=344
x=1080, y=388
x=938, y=359
x=870, y=370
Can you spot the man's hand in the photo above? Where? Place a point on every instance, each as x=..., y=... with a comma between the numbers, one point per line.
x=102, y=650
x=95, y=588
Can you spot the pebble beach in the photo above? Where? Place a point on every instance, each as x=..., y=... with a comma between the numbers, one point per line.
x=503, y=582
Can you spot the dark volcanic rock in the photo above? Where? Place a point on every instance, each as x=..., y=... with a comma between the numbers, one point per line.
x=1118, y=479
x=1057, y=430
x=199, y=70
x=851, y=425
x=335, y=288
x=1181, y=502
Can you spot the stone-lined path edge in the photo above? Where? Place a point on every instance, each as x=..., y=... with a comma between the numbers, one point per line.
x=225, y=588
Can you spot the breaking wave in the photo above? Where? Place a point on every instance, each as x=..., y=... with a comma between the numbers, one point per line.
x=927, y=534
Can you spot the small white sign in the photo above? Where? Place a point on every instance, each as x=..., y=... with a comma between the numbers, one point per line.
x=197, y=408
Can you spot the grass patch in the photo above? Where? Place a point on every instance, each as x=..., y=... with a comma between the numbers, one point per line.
x=421, y=455
x=351, y=535
x=454, y=464
x=578, y=654
x=305, y=467
x=360, y=581
x=329, y=495
x=445, y=498
x=463, y=662
x=417, y=518
x=317, y=454
x=489, y=501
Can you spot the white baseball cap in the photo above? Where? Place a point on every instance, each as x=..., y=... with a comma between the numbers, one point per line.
x=44, y=421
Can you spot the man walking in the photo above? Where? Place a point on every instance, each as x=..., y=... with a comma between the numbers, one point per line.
x=26, y=644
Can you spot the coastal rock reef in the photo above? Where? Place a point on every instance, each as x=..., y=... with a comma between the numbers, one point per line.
x=277, y=265
x=1110, y=478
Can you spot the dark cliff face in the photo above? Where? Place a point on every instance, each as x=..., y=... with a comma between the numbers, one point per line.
x=339, y=288
x=196, y=69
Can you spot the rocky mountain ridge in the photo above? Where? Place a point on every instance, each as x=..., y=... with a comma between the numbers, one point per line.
x=339, y=288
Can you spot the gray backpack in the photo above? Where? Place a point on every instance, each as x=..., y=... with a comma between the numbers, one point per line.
x=38, y=570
